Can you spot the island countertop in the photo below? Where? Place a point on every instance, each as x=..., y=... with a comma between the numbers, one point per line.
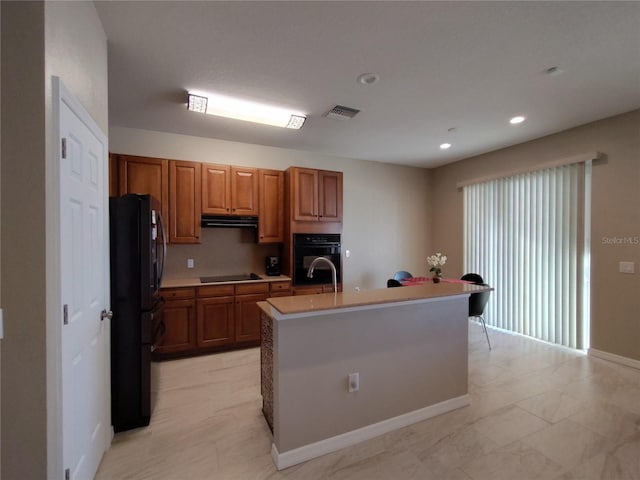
x=328, y=301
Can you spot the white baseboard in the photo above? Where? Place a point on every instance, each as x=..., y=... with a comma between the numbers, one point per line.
x=612, y=357
x=317, y=449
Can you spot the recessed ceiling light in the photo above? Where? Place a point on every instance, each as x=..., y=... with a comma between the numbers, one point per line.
x=368, y=78
x=516, y=120
x=445, y=146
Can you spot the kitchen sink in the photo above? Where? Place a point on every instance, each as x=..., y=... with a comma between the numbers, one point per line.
x=230, y=278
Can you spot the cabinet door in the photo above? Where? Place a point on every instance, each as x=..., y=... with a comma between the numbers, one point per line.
x=330, y=196
x=215, y=321
x=248, y=317
x=180, y=326
x=305, y=194
x=244, y=191
x=271, y=216
x=216, y=189
x=185, y=201
x=146, y=176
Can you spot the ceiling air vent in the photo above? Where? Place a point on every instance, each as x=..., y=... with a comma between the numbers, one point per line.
x=342, y=113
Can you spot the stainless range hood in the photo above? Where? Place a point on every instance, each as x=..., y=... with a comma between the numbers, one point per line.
x=217, y=221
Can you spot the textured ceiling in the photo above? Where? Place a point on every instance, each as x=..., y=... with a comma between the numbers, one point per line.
x=468, y=65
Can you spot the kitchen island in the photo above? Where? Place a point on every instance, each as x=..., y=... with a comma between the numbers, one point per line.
x=408, y=347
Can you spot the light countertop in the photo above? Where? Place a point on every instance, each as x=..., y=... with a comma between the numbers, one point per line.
x=330, y=301
x=195, y=282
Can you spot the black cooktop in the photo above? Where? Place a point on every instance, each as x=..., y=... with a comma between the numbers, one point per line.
x=230, y=278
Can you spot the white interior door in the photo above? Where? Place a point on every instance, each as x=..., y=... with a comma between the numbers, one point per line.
x=86, y=404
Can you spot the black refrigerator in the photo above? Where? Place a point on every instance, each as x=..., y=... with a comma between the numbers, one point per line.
x=138, y=252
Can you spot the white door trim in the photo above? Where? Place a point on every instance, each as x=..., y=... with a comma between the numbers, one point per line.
x=52, y=230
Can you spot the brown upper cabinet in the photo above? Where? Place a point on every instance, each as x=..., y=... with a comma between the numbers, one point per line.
x=271, y=216
x=113, y=174
x=229, y=190
x=317, y=195
x=216, y=189
x=144, y=175
x=330, y=196
x=185, y=201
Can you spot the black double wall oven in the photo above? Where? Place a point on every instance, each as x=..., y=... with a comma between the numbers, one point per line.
x=138, y=251
x=308, y=246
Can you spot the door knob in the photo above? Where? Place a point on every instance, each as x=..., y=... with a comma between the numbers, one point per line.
x=106, y=314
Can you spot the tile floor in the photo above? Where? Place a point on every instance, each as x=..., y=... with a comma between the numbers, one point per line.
x=537, y=412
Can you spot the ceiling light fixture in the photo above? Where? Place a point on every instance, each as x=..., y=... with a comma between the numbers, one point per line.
x=445, y=146
x=368, y=78
x=516, y=120
x=223, y=106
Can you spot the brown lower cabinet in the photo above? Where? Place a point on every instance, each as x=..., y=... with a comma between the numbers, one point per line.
x=179, y=315
x=215, y=321
x=248, y=317
x=214, y=317
x=315, y=289
x=180, y=324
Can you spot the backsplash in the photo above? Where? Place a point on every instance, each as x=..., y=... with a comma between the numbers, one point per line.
x=223, y=251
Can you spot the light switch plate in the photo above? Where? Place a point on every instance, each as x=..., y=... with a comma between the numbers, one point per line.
x=627, y=267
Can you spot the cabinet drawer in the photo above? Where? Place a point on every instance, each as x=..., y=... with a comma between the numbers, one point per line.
x=282, y=293
x=280, y=286
x=215, y=291
x=307, y=290
x=178, y=293
x=249, y=288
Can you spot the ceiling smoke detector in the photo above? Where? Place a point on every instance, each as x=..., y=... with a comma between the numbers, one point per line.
x=554, y=71
x=341, y=112
x=368, y=78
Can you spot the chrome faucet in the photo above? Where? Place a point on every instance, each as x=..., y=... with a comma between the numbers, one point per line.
x=334, y=275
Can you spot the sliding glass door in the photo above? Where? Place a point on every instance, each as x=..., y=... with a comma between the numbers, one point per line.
x=527, y=235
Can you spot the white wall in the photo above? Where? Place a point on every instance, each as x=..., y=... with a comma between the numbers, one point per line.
x=39, y=40
x=386, y=207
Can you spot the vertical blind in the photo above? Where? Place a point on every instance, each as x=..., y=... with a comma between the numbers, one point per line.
x=525, y=235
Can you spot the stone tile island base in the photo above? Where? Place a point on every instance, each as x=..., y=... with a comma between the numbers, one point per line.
x=411, y=357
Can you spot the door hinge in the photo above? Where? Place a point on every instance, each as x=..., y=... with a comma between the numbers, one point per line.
x=65, y=314
x=64, y=148
x=67, y=474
